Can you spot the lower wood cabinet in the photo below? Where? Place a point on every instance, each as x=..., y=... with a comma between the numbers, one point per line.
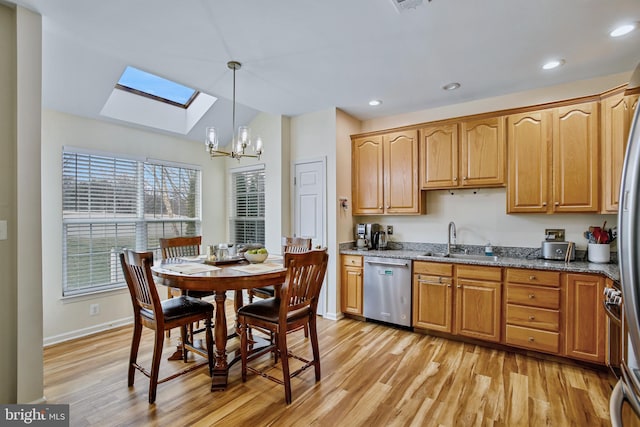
x=475, y=299
x=532, y=309
x=478, y=302
x=351, y=284
x=433, y=296
x=585, y=329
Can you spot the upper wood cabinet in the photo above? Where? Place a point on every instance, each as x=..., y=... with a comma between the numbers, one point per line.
x=617, y=114
x=466, y=154
x=385, y=174
x=553, y=160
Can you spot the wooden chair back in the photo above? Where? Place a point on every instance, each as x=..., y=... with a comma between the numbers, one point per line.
x=175, y=247
x=295, y=244
x=137, y=273
x=301, y=289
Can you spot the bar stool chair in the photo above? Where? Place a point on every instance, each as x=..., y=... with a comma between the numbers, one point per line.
x=150, y=312
x=295, y=306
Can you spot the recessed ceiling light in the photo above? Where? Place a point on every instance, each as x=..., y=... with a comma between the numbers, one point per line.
x=451, y=86
x=553, y=64
x=375, y=102
x=622, y=30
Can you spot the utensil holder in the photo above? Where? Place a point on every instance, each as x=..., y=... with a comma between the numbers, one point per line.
x=599, y=253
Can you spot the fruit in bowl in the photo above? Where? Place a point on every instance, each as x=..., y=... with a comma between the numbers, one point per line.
x=256, y=256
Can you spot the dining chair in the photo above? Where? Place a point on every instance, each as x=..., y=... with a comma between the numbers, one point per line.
x=289, y=245
x=150, y=312
x=176, y=247
x=295, y=305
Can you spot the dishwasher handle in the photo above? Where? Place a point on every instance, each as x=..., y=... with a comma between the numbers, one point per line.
x=391, y=264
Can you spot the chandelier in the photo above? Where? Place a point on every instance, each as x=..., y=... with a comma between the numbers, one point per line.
x=241, y=143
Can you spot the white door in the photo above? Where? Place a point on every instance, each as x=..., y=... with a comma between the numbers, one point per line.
x=309, y=212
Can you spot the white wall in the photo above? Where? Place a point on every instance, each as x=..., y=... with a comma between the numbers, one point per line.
x=482, y=217
x=67, y=318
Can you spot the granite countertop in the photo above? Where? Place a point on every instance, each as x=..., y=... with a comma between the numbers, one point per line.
x=609, y=270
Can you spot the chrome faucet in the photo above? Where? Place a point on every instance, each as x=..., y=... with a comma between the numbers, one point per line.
x=451, y=237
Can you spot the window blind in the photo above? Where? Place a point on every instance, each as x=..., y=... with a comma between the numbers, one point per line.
x=248, y=206
x=111, y=203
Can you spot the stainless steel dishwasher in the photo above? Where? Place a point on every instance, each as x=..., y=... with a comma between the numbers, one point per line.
x=387, y=290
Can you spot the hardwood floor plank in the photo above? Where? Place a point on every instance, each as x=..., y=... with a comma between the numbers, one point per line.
x=371, y=375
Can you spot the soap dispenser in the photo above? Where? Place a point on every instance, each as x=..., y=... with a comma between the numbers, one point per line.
x=488, y=249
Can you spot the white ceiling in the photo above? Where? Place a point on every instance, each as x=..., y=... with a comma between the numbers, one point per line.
x=302, y=56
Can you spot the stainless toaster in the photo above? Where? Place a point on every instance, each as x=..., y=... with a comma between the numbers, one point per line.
x=557, y=250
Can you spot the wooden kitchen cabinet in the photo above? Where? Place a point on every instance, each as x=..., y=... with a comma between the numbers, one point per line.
x=466, y=154
x=478, y=302
x=433, y=296
x=585, y=331
x=553, y=160
x=532, y=309
x=385, y=174
x=617, y=113
x=351, y=284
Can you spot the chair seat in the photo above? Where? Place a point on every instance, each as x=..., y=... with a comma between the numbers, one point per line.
x=199, y=294
x=265, y=291
x=181, y=306
x=269, y=310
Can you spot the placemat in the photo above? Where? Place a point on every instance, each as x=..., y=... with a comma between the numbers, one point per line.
x=259, y=268
x=190, y=268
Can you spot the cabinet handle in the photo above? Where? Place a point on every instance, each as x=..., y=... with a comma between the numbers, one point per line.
x=557, y=203
x=458, y=286
x=464, y=178
x=380, y=207
x=449, y=285
x=532, y=317
x=455, y=178
x=544, y=203
x=388, y=206
x=531, y=339
x=532, y=296
x=532, y=277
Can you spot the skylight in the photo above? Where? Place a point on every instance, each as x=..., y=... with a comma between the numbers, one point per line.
x=155, y=87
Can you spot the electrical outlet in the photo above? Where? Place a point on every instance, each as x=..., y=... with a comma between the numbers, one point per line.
x=94, y=309
x=389, y=230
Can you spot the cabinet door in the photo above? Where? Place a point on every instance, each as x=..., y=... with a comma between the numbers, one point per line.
x=367, y=175
x=617, y=114
x=528, y=139
x=432, y=302
x=478, y=309
x=585, y=318
x=439, y=156
x=351, y=290
x=401, y=187
x=575, y=158
x=482, y=152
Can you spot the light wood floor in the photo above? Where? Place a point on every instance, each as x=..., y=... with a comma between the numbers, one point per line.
x=372, y=375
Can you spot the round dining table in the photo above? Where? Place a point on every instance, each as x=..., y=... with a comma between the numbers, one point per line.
x=227, y=277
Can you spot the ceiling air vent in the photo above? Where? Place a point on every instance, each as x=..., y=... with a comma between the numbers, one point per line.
x=404, y=5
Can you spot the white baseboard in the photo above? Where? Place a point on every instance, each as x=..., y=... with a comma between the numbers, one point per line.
x=87, y=331
x=333, y=316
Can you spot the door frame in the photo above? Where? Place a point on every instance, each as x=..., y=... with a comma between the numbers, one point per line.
x=322, y=303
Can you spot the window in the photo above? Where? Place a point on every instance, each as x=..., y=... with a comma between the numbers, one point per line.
x=155, y=87
x=247, y=205
x=113, y=203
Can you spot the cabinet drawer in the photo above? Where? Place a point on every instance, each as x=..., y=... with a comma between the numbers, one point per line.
x=493, y=274
x=533, y=277
x=432, y=268
x=534, y=296
x=352, y=260
x=533, y=317
x=534, y=339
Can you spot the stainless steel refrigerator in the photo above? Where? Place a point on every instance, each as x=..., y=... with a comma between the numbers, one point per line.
x=628, y=387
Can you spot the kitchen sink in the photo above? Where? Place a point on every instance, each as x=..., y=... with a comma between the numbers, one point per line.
x=470, y=257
